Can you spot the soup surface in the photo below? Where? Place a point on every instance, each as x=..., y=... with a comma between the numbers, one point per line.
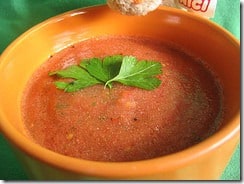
x=123, y=123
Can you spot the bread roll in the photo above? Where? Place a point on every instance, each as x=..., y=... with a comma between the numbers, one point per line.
x=134, y=7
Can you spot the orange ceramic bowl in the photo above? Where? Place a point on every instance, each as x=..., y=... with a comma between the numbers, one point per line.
x=201, y=37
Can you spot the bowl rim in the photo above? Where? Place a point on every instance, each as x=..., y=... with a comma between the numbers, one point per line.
x=133, y=168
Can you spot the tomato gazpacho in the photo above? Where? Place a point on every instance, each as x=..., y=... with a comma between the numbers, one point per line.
x=123, y=123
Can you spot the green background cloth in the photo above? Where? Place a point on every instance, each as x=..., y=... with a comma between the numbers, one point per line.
x=16, y=16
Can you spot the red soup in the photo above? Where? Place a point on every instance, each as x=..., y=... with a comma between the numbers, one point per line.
x=124, y=123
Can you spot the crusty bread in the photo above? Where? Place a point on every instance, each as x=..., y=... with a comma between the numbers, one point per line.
x=170, y=3
x=134, y=7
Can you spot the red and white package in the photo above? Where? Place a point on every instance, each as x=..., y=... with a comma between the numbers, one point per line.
x=205, y=8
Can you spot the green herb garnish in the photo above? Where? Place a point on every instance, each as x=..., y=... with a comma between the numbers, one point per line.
x=117, y=68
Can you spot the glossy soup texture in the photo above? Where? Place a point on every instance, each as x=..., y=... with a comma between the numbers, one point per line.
x=124, y=123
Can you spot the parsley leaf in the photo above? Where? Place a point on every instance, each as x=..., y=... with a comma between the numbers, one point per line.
x=139, y=74
x=103, y=70
x=83, y=79
x=117, y=68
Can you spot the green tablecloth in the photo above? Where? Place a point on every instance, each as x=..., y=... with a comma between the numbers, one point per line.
x=16, y=16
